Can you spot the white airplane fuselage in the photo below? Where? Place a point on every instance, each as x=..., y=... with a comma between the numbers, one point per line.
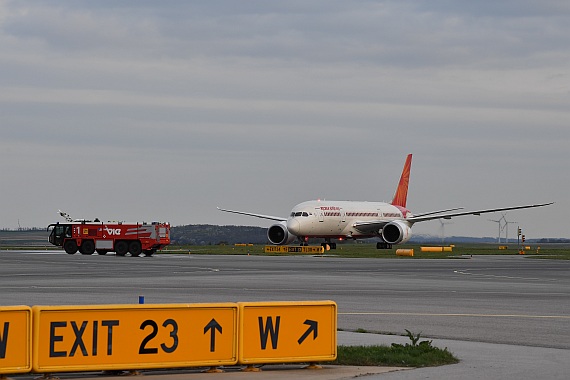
x=336, y=219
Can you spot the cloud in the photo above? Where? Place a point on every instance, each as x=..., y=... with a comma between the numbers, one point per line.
x=263, y=105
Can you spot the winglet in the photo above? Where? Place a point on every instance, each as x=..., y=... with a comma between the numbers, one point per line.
x=401, y=195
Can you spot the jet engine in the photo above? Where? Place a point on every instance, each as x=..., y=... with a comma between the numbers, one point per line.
x=279, y=235
x=396, y=232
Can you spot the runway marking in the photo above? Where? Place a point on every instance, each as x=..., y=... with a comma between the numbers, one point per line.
x=464, y=272
x=193, y=270
x=462, y=315
x=38, y=252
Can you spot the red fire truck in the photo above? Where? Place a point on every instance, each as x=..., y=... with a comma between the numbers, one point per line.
x=89, y=237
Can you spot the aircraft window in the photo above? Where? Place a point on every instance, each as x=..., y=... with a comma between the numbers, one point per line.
x=298, y=213
x=292, y=214
x=305, y=214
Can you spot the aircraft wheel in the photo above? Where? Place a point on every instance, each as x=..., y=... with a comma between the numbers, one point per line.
x=70, y=247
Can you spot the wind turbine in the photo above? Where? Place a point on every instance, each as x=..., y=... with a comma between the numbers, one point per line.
x=442, y=226
x=507, y=227
x=503, y=226
x=500, y=221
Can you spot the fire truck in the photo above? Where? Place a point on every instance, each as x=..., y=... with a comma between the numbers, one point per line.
x=88, y=237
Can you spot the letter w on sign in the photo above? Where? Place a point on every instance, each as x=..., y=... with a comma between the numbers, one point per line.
x=269, y=330
x=4, y=340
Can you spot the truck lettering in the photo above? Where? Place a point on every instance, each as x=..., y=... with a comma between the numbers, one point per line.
x=113, y=231
x=79, y=330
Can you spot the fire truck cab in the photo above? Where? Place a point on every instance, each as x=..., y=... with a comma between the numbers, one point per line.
x=122, y=238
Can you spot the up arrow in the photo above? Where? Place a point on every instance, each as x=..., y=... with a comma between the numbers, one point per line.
x=313, y=328
x=213, y=326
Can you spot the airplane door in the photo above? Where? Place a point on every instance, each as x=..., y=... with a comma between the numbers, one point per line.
x=320, y=214
x=342, y=215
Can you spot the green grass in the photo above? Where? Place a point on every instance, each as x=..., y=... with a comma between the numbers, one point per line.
x=551, y=251
x=419, y=356
x=546, y=251
x=414, y=354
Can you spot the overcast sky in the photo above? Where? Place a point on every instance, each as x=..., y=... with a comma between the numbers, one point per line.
x=163, y=110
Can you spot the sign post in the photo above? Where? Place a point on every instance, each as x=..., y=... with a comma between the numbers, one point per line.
x=128, y=337
x=294, y=249
x=15, y=339
x=287, y=332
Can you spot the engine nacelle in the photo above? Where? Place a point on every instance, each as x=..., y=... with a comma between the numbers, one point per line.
x=278, y=234
x=396, y=232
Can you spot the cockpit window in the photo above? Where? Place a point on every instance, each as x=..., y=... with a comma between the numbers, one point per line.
x=305, y=214
x=292, y=214
x=298, y=213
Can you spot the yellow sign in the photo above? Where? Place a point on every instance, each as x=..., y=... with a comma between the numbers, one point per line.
x=81, y=338
x=281, y=332
x=15, y=339
x=294, y=249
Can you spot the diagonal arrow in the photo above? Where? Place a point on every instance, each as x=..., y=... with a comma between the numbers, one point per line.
x=213, y=326
x=313, y=328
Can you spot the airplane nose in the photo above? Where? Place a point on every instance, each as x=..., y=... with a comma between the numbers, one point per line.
x=293, y=226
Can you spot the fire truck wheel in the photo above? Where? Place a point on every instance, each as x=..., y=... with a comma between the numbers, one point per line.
x=70, y=247
x=121, y=247
x=135, y=248
x=149, y=253
x=87, y=247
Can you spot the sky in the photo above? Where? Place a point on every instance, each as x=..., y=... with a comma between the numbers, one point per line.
x=162, y=111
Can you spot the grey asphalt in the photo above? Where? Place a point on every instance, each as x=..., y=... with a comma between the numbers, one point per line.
x=503, y=316
x=477, y=360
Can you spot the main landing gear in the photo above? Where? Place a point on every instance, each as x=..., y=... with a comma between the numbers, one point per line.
x=327, y=244
x=383, y=245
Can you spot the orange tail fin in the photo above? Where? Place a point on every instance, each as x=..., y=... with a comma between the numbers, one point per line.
x=401, y=195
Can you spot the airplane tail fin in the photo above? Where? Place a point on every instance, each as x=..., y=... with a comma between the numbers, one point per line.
x=401, y=195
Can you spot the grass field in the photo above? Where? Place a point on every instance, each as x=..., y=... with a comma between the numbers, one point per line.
x=550, y=251
x=38, y=240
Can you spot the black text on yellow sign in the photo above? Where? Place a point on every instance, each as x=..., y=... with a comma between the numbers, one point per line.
x=294, y=249
x=287, y=332
x=15, y=339
x=81, y=338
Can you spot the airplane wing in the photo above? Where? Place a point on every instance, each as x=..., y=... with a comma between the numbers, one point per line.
x=269, y=217
x=431, y=216
x=437, y=212
x=373, y=226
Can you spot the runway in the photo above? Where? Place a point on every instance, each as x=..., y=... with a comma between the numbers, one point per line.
x=495, y=299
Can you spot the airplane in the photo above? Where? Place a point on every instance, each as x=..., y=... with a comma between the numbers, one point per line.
x=344, y=220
